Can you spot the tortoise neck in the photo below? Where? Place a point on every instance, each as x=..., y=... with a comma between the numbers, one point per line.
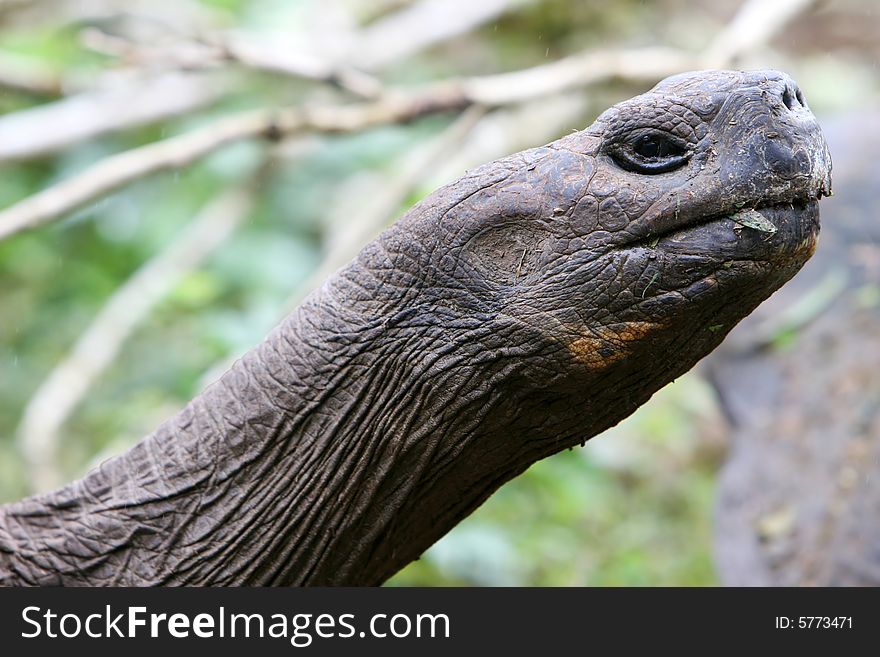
x=321, y=457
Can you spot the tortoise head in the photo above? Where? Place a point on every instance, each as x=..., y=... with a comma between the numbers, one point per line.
x=702, y=200
x=613, y=259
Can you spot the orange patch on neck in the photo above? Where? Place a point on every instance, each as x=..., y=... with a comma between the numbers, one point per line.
x=607, y=345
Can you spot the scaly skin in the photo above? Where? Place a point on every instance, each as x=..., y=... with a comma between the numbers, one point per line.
x=516, y=312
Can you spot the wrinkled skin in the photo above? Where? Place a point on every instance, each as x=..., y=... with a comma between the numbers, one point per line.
x=513, y=313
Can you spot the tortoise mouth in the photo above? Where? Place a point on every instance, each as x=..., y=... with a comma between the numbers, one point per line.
x=766, y=232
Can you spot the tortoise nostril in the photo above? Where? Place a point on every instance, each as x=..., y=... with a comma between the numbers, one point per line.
x=792, y=97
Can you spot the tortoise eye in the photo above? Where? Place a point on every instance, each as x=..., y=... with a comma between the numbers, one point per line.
x=652, y=147
x=650, y=153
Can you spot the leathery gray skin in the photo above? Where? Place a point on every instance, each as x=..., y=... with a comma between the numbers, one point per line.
x=511, y=314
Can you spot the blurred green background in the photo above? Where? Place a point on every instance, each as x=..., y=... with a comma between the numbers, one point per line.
x=631, y=508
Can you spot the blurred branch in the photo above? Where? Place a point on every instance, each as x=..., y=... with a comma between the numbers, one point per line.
x=176, y=152
x=29, y=76
x=53, y=126
x=62, y=13
x=393, y=107
x=420, y=26
x=50, y=128
x=580, y=70
x=390, y=39
x=144, y=96
x=96, y=349
x=271, y=59
x=259, y=55
x=755, y=24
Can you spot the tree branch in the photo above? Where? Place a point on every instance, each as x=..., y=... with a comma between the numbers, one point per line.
x=576, y=71
x=420, y=26
x=116, y=171
x=51, y=127
x=189, y=54
x=265, y=57
x=28, y=76
x=754, y=25
x=394, y=107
